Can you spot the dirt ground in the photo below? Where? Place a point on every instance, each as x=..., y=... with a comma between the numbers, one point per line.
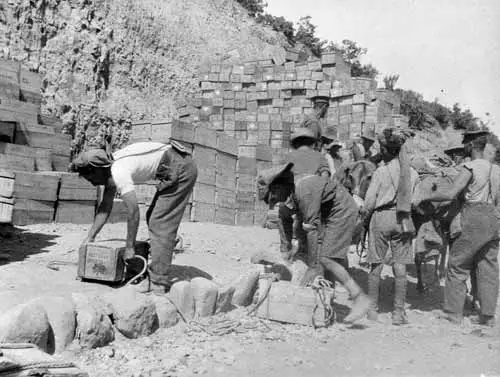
x=428, y=346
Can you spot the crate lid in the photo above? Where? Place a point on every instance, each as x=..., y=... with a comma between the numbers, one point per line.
x=6, y=200
x=7, y=174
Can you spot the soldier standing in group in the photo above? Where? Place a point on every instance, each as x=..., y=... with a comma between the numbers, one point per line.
x=456, y=153
x=363, y=150
x=330, y=147
x=389, y=226
x=476, y=248
x=313, y=122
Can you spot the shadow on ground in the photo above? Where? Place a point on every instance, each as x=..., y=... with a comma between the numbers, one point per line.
x=17, y=244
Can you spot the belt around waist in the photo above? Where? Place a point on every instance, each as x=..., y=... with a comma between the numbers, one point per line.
x=386, y=207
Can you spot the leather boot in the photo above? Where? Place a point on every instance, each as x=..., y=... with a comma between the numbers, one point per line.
x=373, y=293
x=361, y=302
x=399, y=314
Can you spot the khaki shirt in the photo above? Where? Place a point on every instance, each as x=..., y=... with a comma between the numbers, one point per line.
x=383, y=187
x=484, y=183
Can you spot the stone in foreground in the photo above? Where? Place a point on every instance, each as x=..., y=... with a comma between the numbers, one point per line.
x=26, y=323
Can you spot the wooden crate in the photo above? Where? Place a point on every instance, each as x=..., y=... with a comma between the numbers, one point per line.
x=246, y=183
x=227, y=144
x=289, y=303
x=17, y=111
x=245, y=200
x=202, y=212
x=246, y=165
x=206, y=137
x=225, y=180
x=74, y=187
x=7, y=131
x=42, y=157
x=60, y=144
x=9, y=79
x=30, y=211
x=60, y=162
x=225, y=163
x=205, y=159
x=75, y=211
x=163, y=132
x=38, y=186
x=6, y=210
x=18, y=163
x=187, y=213
x=225, y=198
x=30, y=84
x=140, y=131
x=204, y=193
x=244, y=218
x=225, y=216
x=6, y=183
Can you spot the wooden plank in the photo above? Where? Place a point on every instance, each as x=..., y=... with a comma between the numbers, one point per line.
x=51, y=121
x=202, y=212
x=75, y=211
x=37, y=186
x=225, y=198
x=289, y=303
x=245, y=200
x=35, y=356
x=224, y=216
x=29, y=211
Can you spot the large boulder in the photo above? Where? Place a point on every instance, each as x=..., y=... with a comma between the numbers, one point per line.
x=181, y=296
x=245, y=288
x=166, y=312
x=134, y=314
x=62, y=318
x=26, y=323
x=204, y=294
x=224, y=299
x=93, y=326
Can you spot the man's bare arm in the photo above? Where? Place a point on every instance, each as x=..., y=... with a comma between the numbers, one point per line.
x=103, y=211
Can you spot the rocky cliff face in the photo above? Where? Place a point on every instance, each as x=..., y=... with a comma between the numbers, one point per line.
x=130, y=58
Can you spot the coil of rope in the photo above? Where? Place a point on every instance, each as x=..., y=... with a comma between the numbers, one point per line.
x=321, y=287
x=41, y=365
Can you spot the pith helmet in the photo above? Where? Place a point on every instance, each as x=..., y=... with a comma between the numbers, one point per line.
x=320, y=99
x=268, y=176
x=473, y=135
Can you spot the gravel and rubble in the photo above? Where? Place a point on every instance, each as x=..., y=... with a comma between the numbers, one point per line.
x=248, y=346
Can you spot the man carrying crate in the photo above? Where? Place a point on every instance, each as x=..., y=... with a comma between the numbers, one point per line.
x=171, y=165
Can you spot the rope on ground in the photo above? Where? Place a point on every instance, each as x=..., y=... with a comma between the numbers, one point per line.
x=320, y=286
x=143, y=271
x=30, y=365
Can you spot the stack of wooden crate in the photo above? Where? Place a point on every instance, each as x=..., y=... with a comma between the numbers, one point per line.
x=6, y=196
x=76, y=200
